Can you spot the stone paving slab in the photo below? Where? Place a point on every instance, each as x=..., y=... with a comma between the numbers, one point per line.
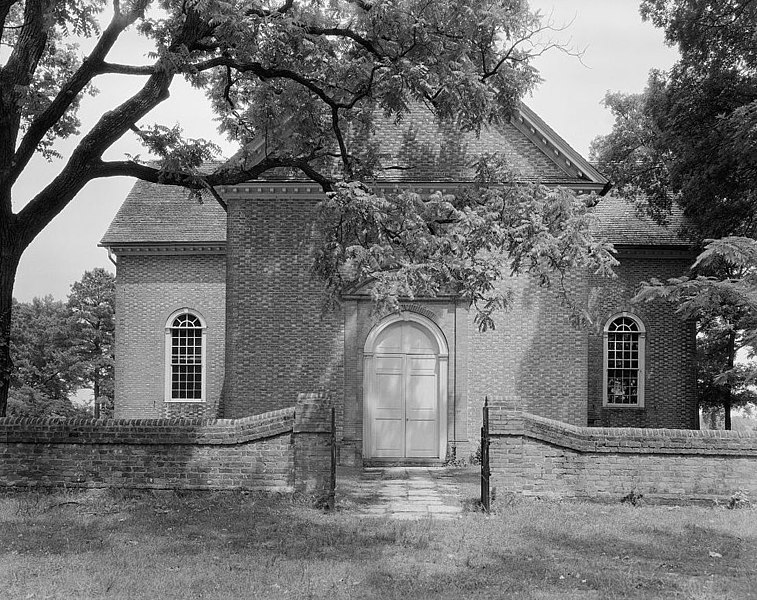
x=400, y=492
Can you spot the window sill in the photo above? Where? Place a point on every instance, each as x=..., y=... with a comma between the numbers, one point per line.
x=175, y=401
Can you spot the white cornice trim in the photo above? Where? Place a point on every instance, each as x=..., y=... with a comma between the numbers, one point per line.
x=302, y=189
x=662, y=251
x=556, y=148
x=168, y=249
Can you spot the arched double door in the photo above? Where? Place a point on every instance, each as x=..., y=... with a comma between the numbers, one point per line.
x=405, y=390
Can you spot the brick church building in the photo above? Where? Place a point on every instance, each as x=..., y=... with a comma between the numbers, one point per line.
x=219, y=316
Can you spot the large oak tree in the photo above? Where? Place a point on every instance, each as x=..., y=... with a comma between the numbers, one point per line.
x=294, y=82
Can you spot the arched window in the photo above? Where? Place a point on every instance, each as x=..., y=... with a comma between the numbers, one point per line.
x=185, y=357
x=624, y=361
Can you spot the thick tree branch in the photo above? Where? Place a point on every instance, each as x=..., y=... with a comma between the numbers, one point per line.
x=17, y=74
x=67, y=94
x=346, y=33
x=82, y=166
x=30, y=44
x=224, y=176
x=118, y=69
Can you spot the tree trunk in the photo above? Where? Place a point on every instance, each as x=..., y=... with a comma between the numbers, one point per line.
x=731, y=358
x=96, y=389
x=8, y=266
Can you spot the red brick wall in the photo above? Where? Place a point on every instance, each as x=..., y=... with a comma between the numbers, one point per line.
x=534, y=456
x=534, y=354
x=670, y=387
x=253, y=453
x=148, y=289
x=279, y=343
x=285, y=450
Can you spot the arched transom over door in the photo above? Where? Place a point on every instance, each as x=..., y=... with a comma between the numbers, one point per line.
x=405, y=390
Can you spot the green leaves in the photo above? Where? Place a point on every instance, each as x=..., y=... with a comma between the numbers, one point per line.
x=60, y=348
x=721, y=295
x=690, y=138
x=466, y=245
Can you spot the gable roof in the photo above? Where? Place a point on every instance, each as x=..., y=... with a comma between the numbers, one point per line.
x=417, y=149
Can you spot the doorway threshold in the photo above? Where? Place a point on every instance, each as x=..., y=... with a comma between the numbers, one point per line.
x=403, y=462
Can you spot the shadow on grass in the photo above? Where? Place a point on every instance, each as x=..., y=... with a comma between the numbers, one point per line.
x=535, y=550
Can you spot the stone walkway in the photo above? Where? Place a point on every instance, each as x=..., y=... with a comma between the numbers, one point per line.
x=404, y=492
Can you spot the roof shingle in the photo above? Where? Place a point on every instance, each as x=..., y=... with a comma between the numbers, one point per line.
x=154, y=213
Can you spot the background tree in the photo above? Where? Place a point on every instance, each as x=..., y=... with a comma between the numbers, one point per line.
x=47, y=366
x=690, y=138
x=725, y=306
x=632, y=155
x=92, y=311
x=295, y=82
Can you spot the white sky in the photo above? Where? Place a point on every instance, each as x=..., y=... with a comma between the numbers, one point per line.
x=619, y=51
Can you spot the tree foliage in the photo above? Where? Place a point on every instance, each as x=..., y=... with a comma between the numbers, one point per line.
x=60, y=348
x=47, y=370
x=690, y=138
x=464, y=245
x=721, y=295
x=295, y=82
x=91, y=304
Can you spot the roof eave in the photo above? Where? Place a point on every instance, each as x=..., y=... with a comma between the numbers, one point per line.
x=554, y=146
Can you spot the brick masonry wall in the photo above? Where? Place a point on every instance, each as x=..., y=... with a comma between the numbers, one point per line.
x=534, y=456
x=148, y=289
x=534, y=354
x=279, y=343
x=283, y=450
x=252, y=453
x=670, y=387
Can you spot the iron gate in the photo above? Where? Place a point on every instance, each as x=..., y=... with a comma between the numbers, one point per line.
x=485, y=472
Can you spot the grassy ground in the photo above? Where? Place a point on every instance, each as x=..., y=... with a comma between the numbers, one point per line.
x=119, y=545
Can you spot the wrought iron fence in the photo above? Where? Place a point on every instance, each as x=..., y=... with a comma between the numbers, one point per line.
x=332, y=482
x=485, y=472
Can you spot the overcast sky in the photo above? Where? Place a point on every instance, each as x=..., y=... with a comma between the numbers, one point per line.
x=618, y=52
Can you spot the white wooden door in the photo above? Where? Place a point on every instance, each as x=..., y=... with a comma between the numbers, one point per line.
x=388, y=429
x=404, y=403
x=421, y=407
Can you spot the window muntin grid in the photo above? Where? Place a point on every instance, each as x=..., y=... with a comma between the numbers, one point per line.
x=624, y=362
x=186, y=358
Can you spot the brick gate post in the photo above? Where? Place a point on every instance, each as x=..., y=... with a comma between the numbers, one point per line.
x=312, y=446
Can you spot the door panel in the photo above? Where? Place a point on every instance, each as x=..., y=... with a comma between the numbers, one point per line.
x=421, y=408
x=389, y=407
x=388, y=437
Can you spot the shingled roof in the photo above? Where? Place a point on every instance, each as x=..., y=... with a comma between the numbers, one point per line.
x=159, y=214
x=623, y=224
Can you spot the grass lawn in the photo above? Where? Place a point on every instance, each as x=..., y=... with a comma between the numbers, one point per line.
x=115, y=544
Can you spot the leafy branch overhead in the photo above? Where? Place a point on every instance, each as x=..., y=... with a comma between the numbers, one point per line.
x=465, y=244
x=721, y=295
x=292, y=81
